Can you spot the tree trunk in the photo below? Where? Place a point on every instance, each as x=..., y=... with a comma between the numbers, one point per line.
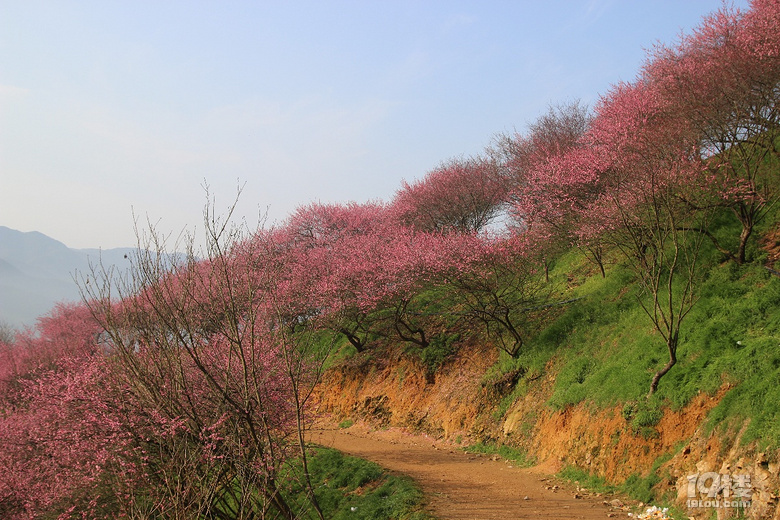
x=671, y=345
x=354, y=340
x=422, y=341
x=744, y=236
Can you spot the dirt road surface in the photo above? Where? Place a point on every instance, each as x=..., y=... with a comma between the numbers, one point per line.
x=466, y=486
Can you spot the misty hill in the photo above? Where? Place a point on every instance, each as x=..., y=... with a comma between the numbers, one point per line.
x=37, y=271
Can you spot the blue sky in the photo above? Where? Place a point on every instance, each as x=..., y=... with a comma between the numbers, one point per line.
x=114, y=107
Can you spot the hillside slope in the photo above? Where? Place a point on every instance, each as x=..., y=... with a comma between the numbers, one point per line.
x=576, y=395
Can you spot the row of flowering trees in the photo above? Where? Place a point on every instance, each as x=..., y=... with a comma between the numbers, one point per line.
x=182, y=389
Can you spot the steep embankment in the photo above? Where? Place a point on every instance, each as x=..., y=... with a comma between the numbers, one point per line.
x=390, y=389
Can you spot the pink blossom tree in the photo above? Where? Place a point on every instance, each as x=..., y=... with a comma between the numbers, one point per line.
x=198, y=341
x=462, y=195
x=65, y=447
x=559, y=182
x=503, y=287
x=337, y=259
x=365, y=269
x=723, y=80
x=649, y=167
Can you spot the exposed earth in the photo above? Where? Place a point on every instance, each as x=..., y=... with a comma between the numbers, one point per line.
x=460, y=485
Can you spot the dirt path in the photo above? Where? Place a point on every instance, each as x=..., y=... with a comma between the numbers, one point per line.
x=467, y=486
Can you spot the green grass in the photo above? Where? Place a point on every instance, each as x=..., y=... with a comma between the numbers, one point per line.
x=441, y=347
x=352, y=488
x=587, y=480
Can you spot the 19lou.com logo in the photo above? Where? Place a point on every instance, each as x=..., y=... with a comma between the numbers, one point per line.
x=712, y=489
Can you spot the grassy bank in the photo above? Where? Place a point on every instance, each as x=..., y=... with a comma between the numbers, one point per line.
x=352, y=488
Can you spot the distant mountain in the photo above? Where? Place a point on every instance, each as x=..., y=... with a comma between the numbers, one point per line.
x=37, y=271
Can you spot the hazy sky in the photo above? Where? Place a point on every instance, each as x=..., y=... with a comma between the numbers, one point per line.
x=110, y=107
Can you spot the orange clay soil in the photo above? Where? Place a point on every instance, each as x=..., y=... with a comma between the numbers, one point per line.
x=459, y=485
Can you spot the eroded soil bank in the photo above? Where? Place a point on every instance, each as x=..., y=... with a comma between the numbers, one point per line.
x=454, y=405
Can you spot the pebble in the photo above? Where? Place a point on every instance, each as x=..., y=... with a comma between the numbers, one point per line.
x=653, y=512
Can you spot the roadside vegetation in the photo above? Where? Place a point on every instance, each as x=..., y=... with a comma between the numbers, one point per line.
x=352, y=488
